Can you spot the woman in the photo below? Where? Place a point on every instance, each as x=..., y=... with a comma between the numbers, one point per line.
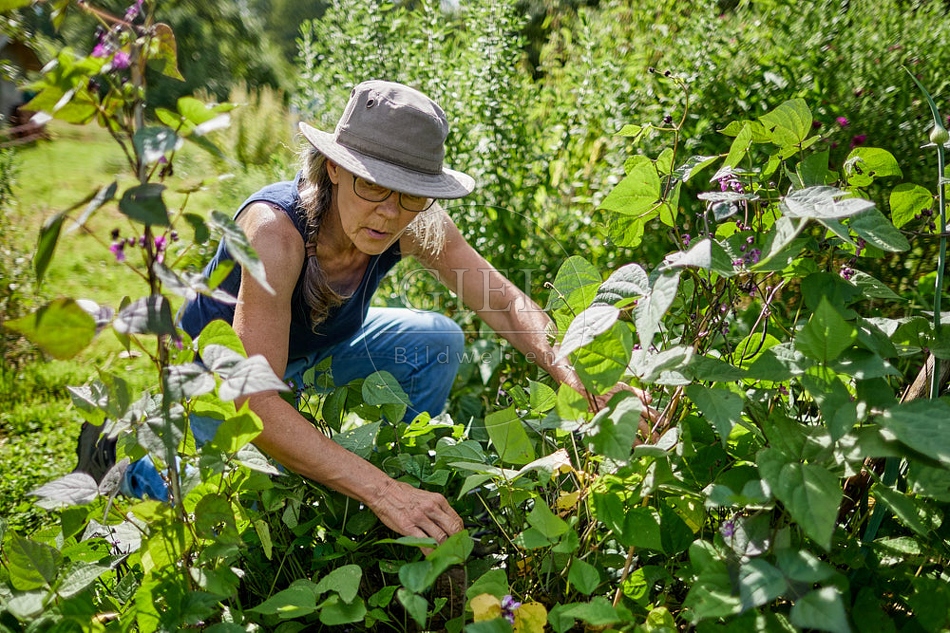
x=365, y=198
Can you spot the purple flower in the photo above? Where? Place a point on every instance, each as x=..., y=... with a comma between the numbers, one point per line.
x=754, y=256
x=132, y=12
x=121, y=60
x=842, y=121
x=686, y=240
x=118, y=249
x=728, y=529
x=858, y=139
x=100, y=50
x=508, y=607
x=160, y=243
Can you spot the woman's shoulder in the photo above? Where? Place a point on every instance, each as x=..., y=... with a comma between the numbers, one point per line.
x=266, y=224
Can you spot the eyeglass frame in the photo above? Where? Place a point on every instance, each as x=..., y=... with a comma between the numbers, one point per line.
x=432, y=201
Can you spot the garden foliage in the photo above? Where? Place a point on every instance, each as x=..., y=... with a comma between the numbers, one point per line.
x=795, y=479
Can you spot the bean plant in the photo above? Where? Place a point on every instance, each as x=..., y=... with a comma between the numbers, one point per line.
x=795, y=476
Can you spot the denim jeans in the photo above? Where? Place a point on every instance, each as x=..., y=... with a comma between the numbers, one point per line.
x=422, y=350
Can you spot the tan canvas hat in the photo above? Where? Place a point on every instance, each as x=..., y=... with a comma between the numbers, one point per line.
x=394, y=136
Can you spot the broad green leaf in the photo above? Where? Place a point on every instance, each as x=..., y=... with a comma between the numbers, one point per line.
x=295, y=601
x=872, y=288
x=822, y=610
x=344, y=580
x=638, y=194
x=543, y=520
x=803, y=566
x=154, y=143
x=692, y=165
x=415, y=605
x=626, y=230
x=9, y=5
x=589, y=324
x=239, y=248
x=509, y=438
x=249, y=376
x=904, y=508
x=865, y=164
x=782, y=241
x=624, y=285
x=878, y=231
x=335, y=612
x=583, y=576
x=823, y=202
x=642, y=529
x=493, y=582
x=721, y=407
x=360, y=440
x=601, y=363
x=237, y=431
x=575, y=285
x=826, y=334
x=72, y=489
x=381, y=387
x=219, y=332
x=571, y=405
x=214, y=519
x=813, y=170
x=163, y=52
x=61, y=328
x=542, y=397
x=830, y=288
x=148, y=315
x=916, y=424
x=144, y=203
x=789, y=124
x=706, y=255
x=651, y=309
x=613, y=430
x=809, y=492
x=78, y=576
x=46, y=244
x=928, y=481
x=598, y=612
x=760, y=583
x=188, y=381
x=906, y=201
x=839, y=412
x=738, y=149
x=31, y=564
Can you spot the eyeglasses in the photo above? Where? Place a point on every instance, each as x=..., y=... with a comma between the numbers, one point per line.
x=372, y=192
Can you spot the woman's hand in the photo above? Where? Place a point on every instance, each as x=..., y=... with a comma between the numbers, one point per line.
x=413, y=512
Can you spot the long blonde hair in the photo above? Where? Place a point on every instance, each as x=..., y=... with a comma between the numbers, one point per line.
x=316, y=195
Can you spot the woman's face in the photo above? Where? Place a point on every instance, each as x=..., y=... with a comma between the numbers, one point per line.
x=371, y=226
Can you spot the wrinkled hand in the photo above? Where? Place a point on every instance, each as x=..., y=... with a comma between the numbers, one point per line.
x=413, y=512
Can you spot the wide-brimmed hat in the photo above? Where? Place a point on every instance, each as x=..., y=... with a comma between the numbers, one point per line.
x=394, y=136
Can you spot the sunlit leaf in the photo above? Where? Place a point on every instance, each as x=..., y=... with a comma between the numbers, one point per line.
x=623, y=285
x=239, y=248
x=148, y=315
x=153, y=143
x=61, y=328
x=822, y=610
x=46, y=244
x=651, y=310
x=915, y=424
x=72, y=489
x=878, y=231
x=163, y=52
x=144, y=204
x=720, y=406
x=907, y=200
x=865, y=164
x=789, y=124
x=586, y=327
x=31, y=564
x=826, y=335
x=638, y=193
x=509, y=437
x=760, y=583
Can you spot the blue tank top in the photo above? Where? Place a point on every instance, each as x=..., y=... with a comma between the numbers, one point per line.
x=343, y=321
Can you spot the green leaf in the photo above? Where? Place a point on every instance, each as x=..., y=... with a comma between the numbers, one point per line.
x=692, y=165
x=541, y=397
x=809, y=492
x=906, y=201
x=759, y=583
x=46, y=244
x=904, y=508
x=542, y=519
x=839, y=412
x=344, y=580
x=61, y=328
x=598, y=612
x=642, y=529
x=589, y=324
x=295, y=601
x=239, y=248
x=575, y=285
x=823, y=202
x=878, y=231
x=826, y=334
x=220, y=332
x=415, y=605
x=738, y=149
x=789, y=124
x=78, y=576
x=638, y=194
x=237, y=431
x=214, y=519
x=803, y=566
x=188, y=381
x=72, y=489
x=865, y=164
x=335, y=612
x=916, y=424
x=493, y=582
x=31, y=564
x=155, y=142
x=651, y=310
x=602, y=362
x=360, y=440
x=9, y=5
x=822, y=610
x=624, y=285
x=148, y=315
x=381, y=387
x=613, y=430
x=163, y=52
x=706, y=255
x=720, y=406
x=143, y=203
x=584, y=577
x=508, y=436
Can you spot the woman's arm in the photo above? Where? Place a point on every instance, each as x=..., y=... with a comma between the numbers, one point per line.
x=262, y=321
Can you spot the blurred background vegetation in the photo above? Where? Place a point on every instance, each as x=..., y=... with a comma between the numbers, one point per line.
x=536, y=91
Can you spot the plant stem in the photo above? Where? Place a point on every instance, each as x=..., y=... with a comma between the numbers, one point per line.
x=941, y=263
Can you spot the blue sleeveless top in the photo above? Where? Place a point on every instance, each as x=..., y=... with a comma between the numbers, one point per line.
x=343, y=321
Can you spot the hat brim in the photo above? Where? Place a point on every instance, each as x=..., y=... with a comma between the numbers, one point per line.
x=447, y=185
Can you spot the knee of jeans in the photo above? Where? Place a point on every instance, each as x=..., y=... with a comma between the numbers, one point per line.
x=447, y=336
